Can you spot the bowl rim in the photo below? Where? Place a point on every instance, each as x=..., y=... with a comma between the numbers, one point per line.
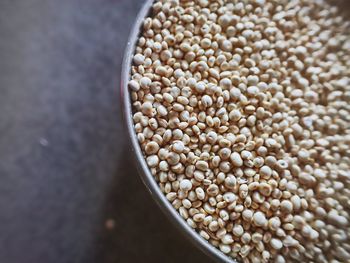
x=143, y=169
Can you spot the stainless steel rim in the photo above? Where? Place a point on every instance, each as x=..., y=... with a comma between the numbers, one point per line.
x=143, y=169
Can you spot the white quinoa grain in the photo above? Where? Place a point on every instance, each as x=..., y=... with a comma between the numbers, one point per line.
x=276, y=243
x=134, y=85
x=185, y=185
x=265, y=171
x=236, y=159
x=152, y=161
x=202, y=165
x=178, y=147
x=238, y=230
x=139, y=59
x=259, y=219
x=151, y=148
x=145, y=82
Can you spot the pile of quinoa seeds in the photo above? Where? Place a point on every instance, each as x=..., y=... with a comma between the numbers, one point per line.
x=241, y=109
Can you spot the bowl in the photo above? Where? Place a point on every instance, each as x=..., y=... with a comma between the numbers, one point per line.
x=143, y=169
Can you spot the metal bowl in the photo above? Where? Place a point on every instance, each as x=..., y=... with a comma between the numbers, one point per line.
x=143, y=169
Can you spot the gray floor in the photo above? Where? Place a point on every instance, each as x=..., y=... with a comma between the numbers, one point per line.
x=64, y=162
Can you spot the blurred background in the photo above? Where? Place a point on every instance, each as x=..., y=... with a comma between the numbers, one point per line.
x=69, y=190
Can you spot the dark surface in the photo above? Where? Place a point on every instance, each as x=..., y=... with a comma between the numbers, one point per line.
x=64, y=162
